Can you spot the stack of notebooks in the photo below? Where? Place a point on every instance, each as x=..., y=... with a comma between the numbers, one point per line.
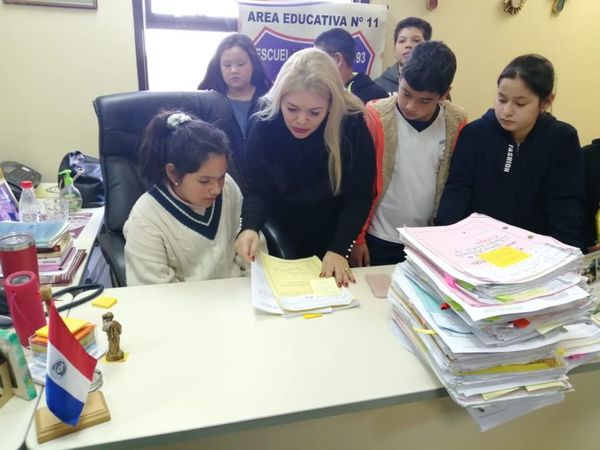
x=84, y=332
x=499, y=313
x=294, y=287
x=58, y=259
x=55, y=257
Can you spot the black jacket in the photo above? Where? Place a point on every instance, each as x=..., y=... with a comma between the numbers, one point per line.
x=591, y=156
x=364, y=88
x=389, y=79
x=288, y=182
x=537, y=185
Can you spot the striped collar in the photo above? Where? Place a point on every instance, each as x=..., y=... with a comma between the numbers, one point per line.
x=205, y=224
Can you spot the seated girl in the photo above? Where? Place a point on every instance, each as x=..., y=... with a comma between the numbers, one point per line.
x=518, y=163
x=184, y=227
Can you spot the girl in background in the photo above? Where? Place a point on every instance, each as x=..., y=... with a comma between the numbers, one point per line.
x=518, y=163
x=310, y=165
x=237, y=73
x=184, y=227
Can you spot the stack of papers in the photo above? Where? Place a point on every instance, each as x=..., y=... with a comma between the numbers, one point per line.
x=292, y=287
x=84, y=332
x=499, y=313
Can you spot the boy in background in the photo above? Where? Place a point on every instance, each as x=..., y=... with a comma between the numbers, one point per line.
x=339, y=44
x=409, y=33
x=414, y=139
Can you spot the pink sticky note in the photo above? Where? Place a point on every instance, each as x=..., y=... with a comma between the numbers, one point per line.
x=449, y=281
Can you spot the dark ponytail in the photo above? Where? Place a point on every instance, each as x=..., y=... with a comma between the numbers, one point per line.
x=180, y=139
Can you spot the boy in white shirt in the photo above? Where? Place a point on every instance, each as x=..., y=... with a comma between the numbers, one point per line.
x=417, y=130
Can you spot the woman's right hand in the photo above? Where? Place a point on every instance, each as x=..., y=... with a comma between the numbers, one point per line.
x=247, y=244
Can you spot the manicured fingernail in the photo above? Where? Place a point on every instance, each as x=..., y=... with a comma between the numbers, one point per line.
x=253, y=258
x=340, y=284
x=345, y=284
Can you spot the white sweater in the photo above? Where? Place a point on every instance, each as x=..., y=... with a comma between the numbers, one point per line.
x=167, y=242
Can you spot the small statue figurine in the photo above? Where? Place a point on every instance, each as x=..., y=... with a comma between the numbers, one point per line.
x=46, y=292
x=113, y=331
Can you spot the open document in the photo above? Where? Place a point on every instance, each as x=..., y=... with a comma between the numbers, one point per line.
x=281, y=286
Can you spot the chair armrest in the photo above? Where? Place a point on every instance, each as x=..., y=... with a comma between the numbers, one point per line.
x=113, y=249
x=278, y=243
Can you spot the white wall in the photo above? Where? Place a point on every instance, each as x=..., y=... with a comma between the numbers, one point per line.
x=54, y=62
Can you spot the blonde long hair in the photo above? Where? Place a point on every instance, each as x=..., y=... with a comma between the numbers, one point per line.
x=313, y=70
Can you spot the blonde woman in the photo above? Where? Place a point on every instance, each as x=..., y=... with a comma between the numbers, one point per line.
x=310, y=165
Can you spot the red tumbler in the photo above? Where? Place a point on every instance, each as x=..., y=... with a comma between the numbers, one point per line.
x=17, y=252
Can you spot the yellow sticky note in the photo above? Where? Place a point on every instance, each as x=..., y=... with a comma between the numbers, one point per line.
x=324, y=287
x=549, y=385
x=534, y=366
x=495, y=394
x=424, y=331
x=72, y=324
x=312, y=315
x=504, y=256
x=104, y=301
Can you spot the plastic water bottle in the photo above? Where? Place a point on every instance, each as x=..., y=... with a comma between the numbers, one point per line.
x=29, y=207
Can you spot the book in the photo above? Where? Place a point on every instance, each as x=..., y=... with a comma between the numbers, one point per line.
x=49, y=266
x=58, y=249
x=64, y=276
x=55, y=258
x=78, y=222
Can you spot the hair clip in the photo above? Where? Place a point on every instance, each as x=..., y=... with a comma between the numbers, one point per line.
x=176, y=119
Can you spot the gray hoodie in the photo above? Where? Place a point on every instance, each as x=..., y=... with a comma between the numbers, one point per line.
x=389, y=79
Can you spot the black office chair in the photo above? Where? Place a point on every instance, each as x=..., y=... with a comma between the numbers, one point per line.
x=122, y=119
x=591, y=156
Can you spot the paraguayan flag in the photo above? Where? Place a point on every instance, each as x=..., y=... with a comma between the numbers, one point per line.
x=70, y=370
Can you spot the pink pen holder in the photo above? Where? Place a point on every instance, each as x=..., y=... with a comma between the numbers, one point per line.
x=25, y=304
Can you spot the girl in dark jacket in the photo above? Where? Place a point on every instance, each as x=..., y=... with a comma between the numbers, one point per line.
x=518, y=163
x=238, y=74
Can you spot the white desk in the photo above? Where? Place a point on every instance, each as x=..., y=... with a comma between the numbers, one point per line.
x=15, y=418
x=205, y=368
